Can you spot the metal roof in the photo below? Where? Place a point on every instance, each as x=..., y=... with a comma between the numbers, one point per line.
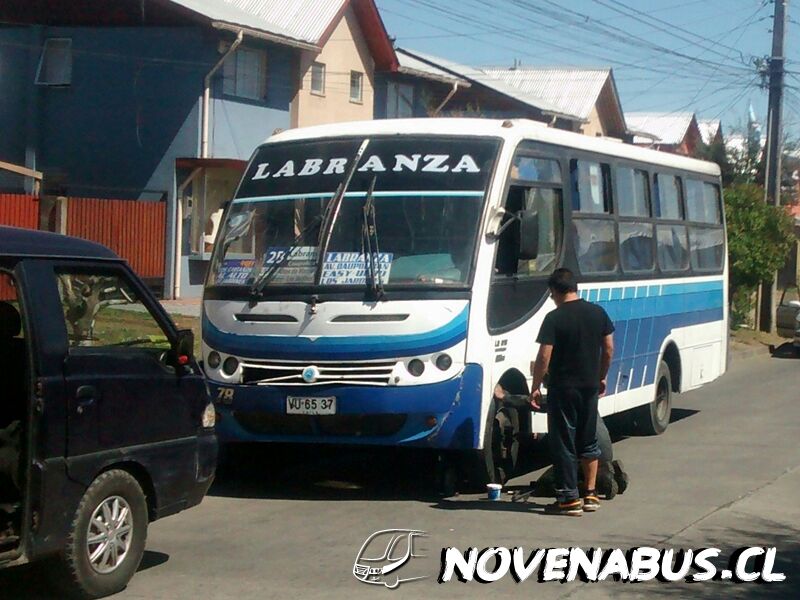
x=511, y=130
x=709, y=129
x=412, y=65
x=667, y=128
x=573, y=91
x=28, y=242
x=476, y=75
x=302, y=20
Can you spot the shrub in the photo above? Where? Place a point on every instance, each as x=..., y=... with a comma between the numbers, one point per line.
x=760, y=237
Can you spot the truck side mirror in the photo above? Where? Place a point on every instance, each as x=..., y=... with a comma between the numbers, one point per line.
x=184, y=346
x=528, y=234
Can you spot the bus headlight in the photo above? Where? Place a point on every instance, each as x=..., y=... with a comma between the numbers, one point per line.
x=214, y=359
x=444, y=362
x=416, y=367
x=230, y=365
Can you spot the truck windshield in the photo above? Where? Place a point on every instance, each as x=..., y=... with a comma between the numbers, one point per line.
x=299, y=219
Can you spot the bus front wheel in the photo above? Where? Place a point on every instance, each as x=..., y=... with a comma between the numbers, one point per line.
x=496, y=462
x=653, y=418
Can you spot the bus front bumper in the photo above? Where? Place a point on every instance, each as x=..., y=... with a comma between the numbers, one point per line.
x=443, y=415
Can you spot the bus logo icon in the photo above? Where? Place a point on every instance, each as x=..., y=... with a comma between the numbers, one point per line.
x=310, y=374
x=384, y=553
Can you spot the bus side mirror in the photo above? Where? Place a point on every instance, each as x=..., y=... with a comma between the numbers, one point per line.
x=528, y=234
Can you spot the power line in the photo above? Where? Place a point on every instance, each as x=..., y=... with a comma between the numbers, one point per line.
x=619, y=35
x=672, y=26
x=687, y=57
x=489, y=26
x=746, y=24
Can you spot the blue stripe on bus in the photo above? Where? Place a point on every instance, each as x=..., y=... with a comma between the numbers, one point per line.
x=644, y=316
x=363, y=347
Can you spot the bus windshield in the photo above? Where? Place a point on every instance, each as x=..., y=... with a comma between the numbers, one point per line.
x=299, y=216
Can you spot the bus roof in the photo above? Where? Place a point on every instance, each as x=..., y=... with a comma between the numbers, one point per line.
x=512, y=130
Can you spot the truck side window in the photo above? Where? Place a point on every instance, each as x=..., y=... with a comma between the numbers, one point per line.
x=102, y=310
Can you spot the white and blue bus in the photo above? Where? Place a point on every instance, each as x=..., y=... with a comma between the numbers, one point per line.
x=373, y=282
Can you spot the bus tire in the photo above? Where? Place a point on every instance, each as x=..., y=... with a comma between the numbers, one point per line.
x=653, y=418
x=116, y=505
x=496, y=461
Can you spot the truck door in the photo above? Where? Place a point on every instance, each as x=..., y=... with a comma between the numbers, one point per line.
x=123, y=385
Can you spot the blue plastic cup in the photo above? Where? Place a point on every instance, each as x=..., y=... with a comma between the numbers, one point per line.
x=493, y=491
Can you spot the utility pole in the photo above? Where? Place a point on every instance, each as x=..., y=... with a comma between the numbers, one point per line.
x=774, y=146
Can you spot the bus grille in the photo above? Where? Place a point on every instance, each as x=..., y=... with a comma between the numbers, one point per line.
x=291, y=372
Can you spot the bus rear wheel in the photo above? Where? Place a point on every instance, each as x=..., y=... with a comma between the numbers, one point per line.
x=497, y=461
x=653, y=418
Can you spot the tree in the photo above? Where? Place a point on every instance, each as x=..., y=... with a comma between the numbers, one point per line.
x=760, y=237
x=744, y=155
x=716, y=152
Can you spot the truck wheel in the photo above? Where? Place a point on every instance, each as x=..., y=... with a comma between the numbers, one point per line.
x=496, y=462
x=653, y=418
x=107, y=537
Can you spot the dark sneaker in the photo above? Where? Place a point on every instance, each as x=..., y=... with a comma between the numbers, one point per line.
x=590, y=503
x=570, y=508
x=620, y=476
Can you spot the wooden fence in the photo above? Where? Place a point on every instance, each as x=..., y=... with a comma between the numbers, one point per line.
x=19, y=210
x=135, y=230
x=16, y=210
x=7, y=291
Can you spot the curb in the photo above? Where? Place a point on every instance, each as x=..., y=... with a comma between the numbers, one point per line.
x=746, y=353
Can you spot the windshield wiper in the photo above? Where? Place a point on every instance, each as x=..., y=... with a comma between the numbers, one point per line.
x=369, y=245
x=326, y=218
x=333, y=211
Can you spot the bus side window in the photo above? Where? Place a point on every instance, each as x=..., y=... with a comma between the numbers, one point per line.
x=546, y=202
x=508, y=247
x=591, y=187
x=668, y=203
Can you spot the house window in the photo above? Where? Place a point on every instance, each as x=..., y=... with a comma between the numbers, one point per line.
x=245, y=74
x=55, y=64
x=318, y=78
x=399, y=100
x=356, y=86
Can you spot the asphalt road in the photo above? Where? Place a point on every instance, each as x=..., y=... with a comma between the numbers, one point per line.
x=289, y=523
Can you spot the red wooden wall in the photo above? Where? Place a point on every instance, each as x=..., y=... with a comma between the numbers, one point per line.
x=135, y=230
x=19, y=210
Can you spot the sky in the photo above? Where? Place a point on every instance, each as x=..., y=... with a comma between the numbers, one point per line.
x=667, y=55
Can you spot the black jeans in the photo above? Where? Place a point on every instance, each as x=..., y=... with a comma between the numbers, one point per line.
x=572, y=434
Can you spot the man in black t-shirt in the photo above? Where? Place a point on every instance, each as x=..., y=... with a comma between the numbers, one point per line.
x=575, y=349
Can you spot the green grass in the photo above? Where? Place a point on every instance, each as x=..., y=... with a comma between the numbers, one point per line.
x=114, y=325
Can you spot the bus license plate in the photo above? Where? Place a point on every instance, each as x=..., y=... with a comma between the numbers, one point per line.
x=301, y=405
